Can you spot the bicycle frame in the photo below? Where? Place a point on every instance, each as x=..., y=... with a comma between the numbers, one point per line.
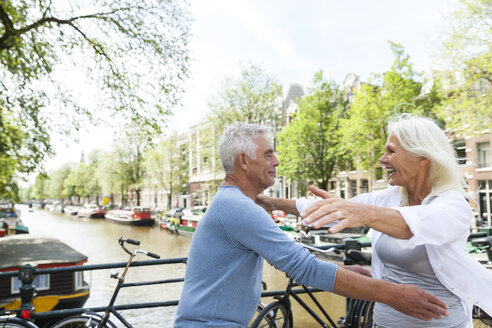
x=291, y=292
x=121, y=283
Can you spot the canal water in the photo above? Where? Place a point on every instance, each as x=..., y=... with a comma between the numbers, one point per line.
x=98, y=239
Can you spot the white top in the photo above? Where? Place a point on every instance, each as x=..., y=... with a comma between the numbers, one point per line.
x=442, y=224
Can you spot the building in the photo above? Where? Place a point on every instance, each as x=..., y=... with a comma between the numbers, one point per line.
x=475, y=159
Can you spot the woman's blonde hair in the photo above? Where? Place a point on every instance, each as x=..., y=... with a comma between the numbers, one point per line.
x=421, y=136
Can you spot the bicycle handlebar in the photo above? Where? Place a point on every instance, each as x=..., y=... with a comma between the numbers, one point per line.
x=130, y=241
x=153, y=255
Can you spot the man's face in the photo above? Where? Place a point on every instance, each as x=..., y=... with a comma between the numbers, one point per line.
x=261, y=170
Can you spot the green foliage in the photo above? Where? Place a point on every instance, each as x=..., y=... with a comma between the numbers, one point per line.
x=133, y=54
x=364, y=130
x=166, y=167
x=309, y=147
x=253, y=97
x=467, y=78
x=39, y=189
x=56, y=182
x=129, y=150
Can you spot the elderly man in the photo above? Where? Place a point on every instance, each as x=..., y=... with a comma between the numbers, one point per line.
x=222, y=285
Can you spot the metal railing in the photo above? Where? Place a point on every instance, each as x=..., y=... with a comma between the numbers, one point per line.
x=27, y=273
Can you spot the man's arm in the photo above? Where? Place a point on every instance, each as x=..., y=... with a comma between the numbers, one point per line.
x=407, y=299
x=270, y=204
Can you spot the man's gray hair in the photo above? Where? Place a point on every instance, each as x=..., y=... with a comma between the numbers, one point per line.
x=238, y=138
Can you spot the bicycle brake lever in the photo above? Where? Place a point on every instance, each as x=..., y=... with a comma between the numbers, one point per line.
x=114, y=274
x=305, y=230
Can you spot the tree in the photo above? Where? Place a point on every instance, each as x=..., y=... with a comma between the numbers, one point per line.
x=253, y=97
x=364, y=130
x=166, y=167
x=309, y=147
x=39, y=189
x=133, y=54
x=109, y=176
x=129, y=150
x=467, y=76
x=56, y=186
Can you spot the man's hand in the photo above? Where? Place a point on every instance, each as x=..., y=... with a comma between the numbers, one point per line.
x=415, y=302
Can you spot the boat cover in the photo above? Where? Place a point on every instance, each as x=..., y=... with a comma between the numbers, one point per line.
x=19, y=250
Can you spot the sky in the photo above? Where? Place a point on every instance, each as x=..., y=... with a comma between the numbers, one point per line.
x=291, y=40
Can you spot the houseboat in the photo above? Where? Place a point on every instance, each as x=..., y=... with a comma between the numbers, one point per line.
x=92, y=211
x=55, y=291
x=137, y=216
x=189, y=220
x=10, y=221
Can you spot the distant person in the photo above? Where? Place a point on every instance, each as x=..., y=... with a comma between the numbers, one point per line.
x=222, y=286
x=421, y=224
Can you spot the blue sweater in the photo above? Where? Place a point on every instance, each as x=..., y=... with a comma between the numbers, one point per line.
x=222, y=285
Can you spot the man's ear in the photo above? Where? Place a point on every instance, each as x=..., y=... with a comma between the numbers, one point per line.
x=242, y=161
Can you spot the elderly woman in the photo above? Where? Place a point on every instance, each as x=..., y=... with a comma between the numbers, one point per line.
x=421, y=223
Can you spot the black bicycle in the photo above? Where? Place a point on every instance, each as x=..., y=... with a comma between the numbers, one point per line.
x=278, y=314
x=91, y=319
x=485, y=244
x=20, y=318
x=14, y=322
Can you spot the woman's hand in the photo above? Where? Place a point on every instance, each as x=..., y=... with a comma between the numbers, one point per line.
x=333, y=208
x=354, y=215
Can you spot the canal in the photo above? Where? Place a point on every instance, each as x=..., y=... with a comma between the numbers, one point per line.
x=98, y=239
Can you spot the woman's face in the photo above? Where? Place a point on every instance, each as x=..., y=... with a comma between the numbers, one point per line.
x=403, y=167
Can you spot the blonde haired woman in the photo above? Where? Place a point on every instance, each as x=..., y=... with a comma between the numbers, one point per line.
x=421, y=224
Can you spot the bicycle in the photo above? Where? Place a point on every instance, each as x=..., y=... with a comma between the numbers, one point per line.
x=14, y=322
x=358, y=312
x=93, y=320
x=20, y=318
x=484, y=244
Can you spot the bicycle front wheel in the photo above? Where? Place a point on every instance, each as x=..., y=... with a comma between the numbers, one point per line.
x=361, y=316
x=274, y=315
x=82, y=321
x=16, y=323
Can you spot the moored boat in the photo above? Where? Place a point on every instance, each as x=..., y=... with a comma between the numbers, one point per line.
x=189, y=221
x=10, y=222
x=137, y=216
x=92, y=211
x=54, y=291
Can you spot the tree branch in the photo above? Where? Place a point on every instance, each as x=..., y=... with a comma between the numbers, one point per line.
x=9, y=29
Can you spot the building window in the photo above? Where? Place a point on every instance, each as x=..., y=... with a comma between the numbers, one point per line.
x=79, y=280
x=485, y=201
x=483, y=151
x=460, y=148
x=42, y=282
x=364, y=186
x=353, y=188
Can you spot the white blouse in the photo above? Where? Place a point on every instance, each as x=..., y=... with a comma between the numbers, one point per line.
x=442, y=224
